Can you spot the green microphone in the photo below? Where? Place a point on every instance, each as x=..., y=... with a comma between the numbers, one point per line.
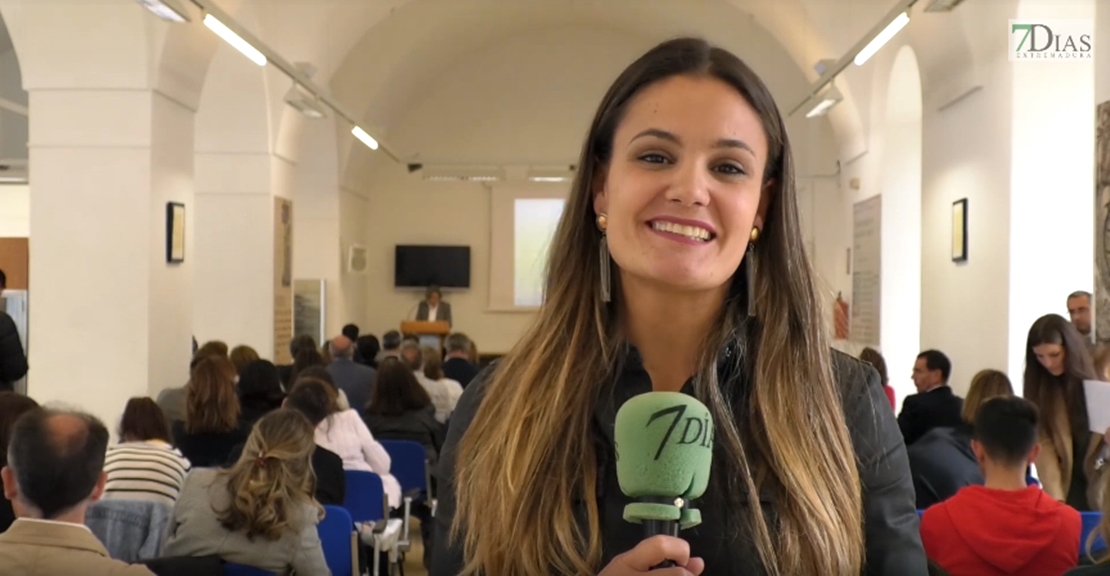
x=664, y=454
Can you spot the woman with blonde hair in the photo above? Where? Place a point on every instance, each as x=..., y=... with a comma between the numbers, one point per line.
x=679, y=265
x=260, y=512
x=942, y=461
x=1056, y=364
x=211, y=427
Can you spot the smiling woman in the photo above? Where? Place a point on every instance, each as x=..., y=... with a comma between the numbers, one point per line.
x=678, y=266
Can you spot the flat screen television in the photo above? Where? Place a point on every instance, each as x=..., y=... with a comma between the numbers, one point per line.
x=423, y=266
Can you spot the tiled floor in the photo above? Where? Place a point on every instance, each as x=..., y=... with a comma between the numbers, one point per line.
x=414, y=563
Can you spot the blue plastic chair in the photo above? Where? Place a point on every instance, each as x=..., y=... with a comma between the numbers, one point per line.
x=1090, y=524
x=339, y=541
x=366, y=501
x=409, y=465
x=365, y=498
x=244, y=570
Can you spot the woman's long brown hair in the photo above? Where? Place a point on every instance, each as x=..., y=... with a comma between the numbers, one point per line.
x=1049, y=392
x=210, y=401
x=528, y=455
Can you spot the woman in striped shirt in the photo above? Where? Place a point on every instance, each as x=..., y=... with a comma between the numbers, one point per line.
x=144, y=465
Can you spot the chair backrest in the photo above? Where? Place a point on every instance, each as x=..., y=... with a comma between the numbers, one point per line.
x=244, y=570
x=335, y=538
x=1090, y=524
x=365, y=498
x=409, y=463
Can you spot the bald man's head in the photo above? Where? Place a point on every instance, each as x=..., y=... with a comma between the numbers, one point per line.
x=342, y=347
x=56, y=460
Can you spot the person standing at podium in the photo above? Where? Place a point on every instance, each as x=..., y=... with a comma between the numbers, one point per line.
x=432, y=308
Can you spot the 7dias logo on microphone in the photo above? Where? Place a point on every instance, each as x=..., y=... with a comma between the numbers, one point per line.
x=1052, y=40
x=696, y=430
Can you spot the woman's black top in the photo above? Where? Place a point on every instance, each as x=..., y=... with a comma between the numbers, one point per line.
x=893, y=543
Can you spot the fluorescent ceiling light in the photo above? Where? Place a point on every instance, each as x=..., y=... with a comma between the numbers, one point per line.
x=549, y=178
x=235, y=40
x=879, y=41
x=165, y=9
x=364, y=138
x=824, y=103
x=13, y=179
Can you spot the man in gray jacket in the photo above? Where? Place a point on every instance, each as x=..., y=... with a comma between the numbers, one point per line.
x=354, y=379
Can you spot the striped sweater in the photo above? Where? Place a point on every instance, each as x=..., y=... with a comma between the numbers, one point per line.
x=150, y=470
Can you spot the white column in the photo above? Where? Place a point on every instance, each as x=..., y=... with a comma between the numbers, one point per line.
x=1051, y=182
x=110, y=317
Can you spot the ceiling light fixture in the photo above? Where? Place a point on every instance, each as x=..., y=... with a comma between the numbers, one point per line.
x=879, y=41
x=236, y=41
x=824, y=103
x=365, y=138
x=888, y=26
x=243, y=40
x=942, y=5
x=167, y=10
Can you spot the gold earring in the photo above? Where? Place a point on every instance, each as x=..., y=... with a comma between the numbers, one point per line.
x=755, y=233
x=602, y=222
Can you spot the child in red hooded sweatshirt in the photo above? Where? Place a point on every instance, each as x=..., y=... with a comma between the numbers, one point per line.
x=1003, y=528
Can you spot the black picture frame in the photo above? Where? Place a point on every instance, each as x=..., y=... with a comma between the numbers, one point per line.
x=175, y=232
x=959, y=230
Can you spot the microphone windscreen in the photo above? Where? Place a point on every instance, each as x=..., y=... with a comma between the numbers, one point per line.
x=664, y=444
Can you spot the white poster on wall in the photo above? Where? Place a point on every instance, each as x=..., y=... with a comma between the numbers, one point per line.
x=866, y=270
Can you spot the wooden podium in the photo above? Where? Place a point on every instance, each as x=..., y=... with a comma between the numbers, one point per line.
x=426, y=331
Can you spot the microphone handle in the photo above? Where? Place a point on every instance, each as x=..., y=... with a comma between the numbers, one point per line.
x=664, y=527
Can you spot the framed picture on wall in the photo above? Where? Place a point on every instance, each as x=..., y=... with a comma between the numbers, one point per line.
x=959, y=230
x=175, y=232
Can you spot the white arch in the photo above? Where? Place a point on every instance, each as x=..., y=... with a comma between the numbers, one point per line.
x=900, y=321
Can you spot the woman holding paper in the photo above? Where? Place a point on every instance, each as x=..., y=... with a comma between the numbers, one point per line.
x=1056, y=364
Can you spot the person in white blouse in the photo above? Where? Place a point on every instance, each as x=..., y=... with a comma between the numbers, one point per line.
x=449, y=390
x=344, y=433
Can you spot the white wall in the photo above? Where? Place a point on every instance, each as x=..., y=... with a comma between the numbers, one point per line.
x=15, y=211
x=1052, y=146
x=900, y=270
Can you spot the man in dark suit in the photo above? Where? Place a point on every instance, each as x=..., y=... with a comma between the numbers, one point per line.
x=433, y=308
x=934, y=404
x=457, y=366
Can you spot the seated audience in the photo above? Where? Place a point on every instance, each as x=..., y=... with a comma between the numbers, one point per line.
x=172, y=400
x=355, y=380
x=296, y=346
x=872, y=357
x=242, y=356
x=934, y=404
x=413, y=357
x=310, y=398
x=55, y=470
x=942, y=460
x=321, y=373
x=12, y=406
x=13, y=361
x=344, y=432
x=391, y=345
x=144, y=466
x=458, y=366
x=450, y=390
x=402, y=410
x=350, y=331
x=366, y=350
x=1004, y=527
x=304, y=360
x=211, y=427
x=259, y=391
x=260, y=512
